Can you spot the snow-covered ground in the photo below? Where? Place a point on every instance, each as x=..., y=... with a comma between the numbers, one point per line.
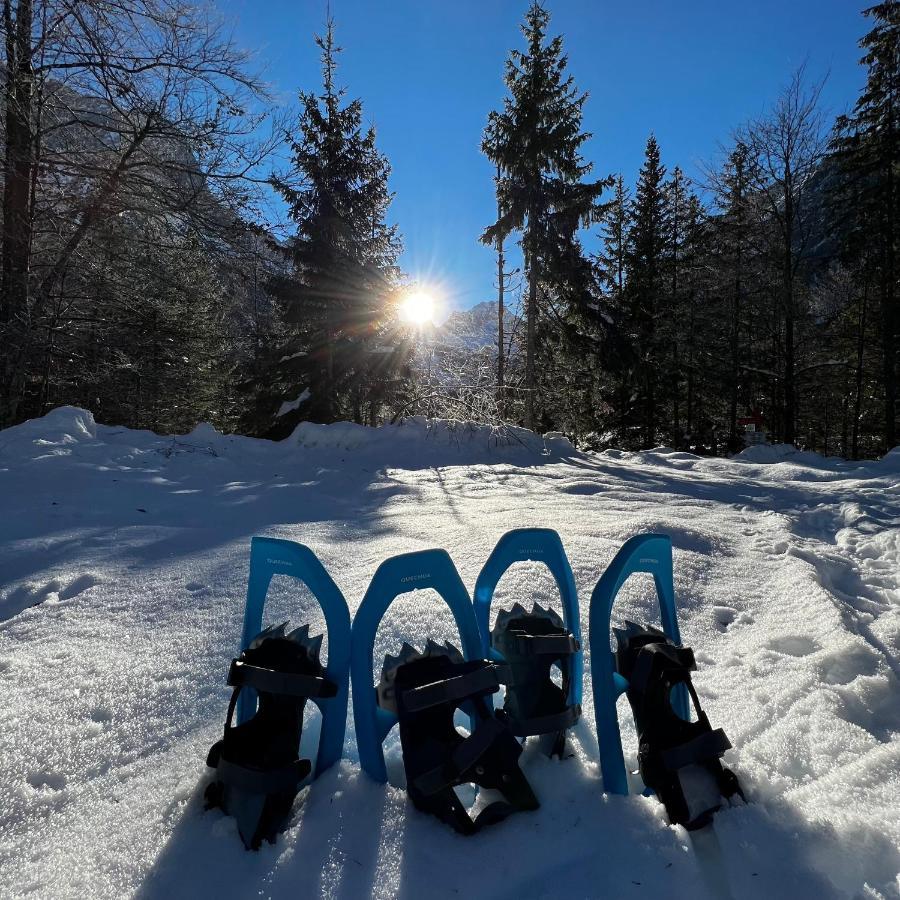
x=122, y=574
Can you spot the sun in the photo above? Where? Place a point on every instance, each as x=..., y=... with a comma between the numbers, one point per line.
x=417, y=308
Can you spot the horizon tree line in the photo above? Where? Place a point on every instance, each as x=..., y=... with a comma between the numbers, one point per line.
x=137, y=280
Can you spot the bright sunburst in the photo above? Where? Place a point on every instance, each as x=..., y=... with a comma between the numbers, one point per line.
x=417, y=308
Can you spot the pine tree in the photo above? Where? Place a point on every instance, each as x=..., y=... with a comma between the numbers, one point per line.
x=677, y=195
x=734, y=233
x=867, y=146
x=614, y=227
x=694, y=258
x=611, y=263
x=343, y=256
x=535, y=141
x=646, y=288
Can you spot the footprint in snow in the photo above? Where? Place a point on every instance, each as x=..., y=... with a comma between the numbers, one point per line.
x=582, y=488
x=194, y=586
x=101, y=714
x=794, y=645
x=844, y=666
x=78, y=586
x=726, y=616
x=41, y=780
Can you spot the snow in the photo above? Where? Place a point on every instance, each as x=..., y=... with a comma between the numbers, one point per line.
x=290, y=405
x=123, y=563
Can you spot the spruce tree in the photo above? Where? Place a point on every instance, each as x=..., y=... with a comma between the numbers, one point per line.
x=677, y=195
x=536, y=141
x=611, y=263
x=734, y=232
x=867, y=146
x=646, y=288
x=343, y=255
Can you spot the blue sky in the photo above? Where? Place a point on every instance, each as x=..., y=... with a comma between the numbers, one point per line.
x=429, y=71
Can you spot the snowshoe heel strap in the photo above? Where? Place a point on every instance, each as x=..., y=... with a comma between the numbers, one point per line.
x=290, y=684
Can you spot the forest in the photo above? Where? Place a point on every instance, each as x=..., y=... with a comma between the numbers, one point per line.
x=141, y=279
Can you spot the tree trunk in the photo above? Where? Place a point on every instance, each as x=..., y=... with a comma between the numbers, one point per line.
x=501, y=342
x=888, y=315
x=17, y=223
x=860, y=357
x=530, y=322
x=789, y=382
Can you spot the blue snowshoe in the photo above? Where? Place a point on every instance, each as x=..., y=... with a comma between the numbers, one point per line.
x=421, y=692
x=532, y=644
x=258, y=770
x=679, y=760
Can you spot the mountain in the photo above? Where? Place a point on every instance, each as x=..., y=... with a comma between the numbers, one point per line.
x=475, y=328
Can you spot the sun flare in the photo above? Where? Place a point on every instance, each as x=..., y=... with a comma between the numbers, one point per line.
x=417, y=308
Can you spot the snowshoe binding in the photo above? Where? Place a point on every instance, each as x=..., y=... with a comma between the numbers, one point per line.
x=258, y=771
x=424, y=690
x=679, y=760
x=531, y=644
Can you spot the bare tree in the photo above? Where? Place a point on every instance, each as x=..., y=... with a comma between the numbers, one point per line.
x=113, y=108
x=786, y=146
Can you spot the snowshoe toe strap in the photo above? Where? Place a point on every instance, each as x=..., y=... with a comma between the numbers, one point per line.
x=485, y=680
x=523, y=644
x=291, y=684
x=463, y=758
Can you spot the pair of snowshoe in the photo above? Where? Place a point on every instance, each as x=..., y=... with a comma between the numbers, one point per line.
x=258, y=769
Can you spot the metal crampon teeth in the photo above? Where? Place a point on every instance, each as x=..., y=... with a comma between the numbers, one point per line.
x=408, y=653
x=632, y=629
x=311, y=642
x=300, y=636
x=268, y=633
x=505, y=616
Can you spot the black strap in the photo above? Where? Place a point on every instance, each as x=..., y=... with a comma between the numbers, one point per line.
x=545, y=724
x=255, y=782
x=483, y=680
x=678, y=657
x=466, y=755
x=710, y=745
x=522, y=644
x=291, y=684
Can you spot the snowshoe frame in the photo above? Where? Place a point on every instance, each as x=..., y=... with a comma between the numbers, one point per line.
x=398, y=575
x=650, y=553
x=538, y=545
x=276, y=556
